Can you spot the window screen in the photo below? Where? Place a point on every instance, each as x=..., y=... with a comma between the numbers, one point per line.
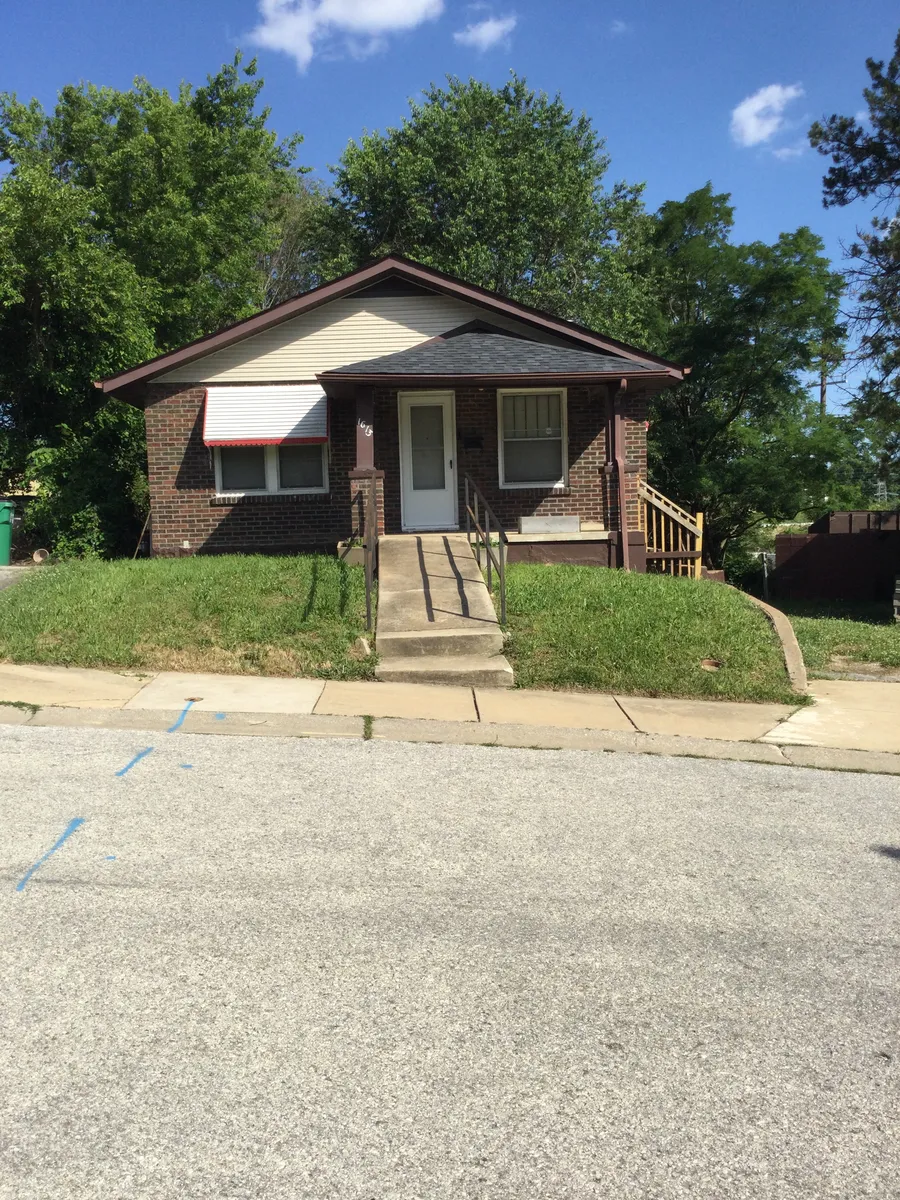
x=243, y=468
x=300, y=467
x=532, y=438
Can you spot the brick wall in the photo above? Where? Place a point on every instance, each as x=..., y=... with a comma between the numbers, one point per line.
x=183, y=486
x=182, y=478
x=590, y=493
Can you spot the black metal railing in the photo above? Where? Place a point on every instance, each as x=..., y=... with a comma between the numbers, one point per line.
x=481, y=519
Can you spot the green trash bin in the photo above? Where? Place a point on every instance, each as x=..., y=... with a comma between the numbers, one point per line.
x=7, y=512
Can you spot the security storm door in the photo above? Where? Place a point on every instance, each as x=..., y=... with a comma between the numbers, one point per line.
x=428, y=498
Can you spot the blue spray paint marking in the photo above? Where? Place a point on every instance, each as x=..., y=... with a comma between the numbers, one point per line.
x=137, y=758
x=110, y=858
x=220, y=716
x=184, y=712
x=70, y=829
x=186, y=766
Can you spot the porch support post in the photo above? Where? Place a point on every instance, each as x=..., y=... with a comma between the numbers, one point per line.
x=365, y=429
x=616, y=427
x=364, y=471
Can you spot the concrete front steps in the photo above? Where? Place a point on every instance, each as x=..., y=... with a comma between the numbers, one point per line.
x=436, y=620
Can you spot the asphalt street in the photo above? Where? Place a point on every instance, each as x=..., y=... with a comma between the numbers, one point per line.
x=378, y=971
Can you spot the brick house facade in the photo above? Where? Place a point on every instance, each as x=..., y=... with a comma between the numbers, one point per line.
x=417, y=317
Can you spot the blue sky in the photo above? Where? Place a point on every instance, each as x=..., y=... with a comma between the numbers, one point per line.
x=661, y=81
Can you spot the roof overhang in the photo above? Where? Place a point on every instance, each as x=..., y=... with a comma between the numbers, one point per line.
x=393, y=266
x=658, y=379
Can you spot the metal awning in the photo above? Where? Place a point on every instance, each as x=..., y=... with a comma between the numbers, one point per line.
x=265, y=416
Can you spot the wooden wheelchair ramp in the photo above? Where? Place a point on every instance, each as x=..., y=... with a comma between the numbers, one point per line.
x=436, y=622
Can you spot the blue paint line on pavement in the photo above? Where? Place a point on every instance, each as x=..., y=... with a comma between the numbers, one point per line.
x=184, y=712
x=137, y=758
x=74, y=824
x=220, y=716
x=186, y=766
x=110, y=858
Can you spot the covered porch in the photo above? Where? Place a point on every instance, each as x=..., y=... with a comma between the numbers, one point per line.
x=551, y=439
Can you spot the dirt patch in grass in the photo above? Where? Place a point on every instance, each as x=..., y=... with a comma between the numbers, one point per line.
x=231, y=614
x=833, y=634
x=595, y=629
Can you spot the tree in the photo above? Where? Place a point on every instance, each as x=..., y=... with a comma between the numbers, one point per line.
x=865, y=160
x=504, y=188
x=740, y=438
x=130, y=223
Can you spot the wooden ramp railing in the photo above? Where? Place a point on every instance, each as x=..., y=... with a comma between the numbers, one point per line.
x=674, y=537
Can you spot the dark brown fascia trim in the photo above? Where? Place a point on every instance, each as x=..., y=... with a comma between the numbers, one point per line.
x=657, y=377
x=355, y=281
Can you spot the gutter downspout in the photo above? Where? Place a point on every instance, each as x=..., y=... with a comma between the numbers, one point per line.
x=618, y=431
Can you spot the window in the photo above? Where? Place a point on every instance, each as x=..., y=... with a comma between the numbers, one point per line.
x=301, y=468
x=271, y=469
x=243, y=468
x=532, y=439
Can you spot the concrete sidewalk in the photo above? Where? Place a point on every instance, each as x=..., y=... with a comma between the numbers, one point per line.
x=853, y=726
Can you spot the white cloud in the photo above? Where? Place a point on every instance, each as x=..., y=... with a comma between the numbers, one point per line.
x=300, y=27
x=758, y=118
x=787, y=152
x=486, y=33
x=617, y=28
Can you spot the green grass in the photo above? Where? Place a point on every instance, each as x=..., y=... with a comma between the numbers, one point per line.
x=254, y=615
x=590, y=628
x=865, y=633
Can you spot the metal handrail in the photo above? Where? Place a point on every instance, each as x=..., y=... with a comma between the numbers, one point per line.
x=483, y=538
x=370, y=544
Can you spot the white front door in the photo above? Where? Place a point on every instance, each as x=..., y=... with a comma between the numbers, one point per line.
x=428, y=498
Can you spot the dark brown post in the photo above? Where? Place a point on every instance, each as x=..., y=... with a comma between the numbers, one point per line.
x=365, y=429
x=365, y=464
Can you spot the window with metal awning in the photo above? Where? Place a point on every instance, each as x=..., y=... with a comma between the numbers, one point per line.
x=268, y=439
x=289, y=414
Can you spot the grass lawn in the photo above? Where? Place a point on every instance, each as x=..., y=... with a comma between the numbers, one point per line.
x=825, y=629
x=590, y=628
x=253, y=615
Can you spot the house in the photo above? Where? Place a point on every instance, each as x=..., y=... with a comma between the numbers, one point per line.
x=262, y=437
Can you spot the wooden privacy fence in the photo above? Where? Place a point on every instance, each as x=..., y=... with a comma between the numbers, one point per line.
x=674, y=537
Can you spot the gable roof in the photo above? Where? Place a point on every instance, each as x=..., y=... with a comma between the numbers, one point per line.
x=479, y=354
x=392, y=267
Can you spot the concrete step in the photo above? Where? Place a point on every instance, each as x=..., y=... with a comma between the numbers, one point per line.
x=471, y=670
x=450, y=643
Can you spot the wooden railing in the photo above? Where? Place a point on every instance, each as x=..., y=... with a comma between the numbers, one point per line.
x=481, y=520
x=674, y=536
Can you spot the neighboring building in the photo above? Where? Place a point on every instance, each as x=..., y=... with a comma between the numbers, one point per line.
x=260, y=437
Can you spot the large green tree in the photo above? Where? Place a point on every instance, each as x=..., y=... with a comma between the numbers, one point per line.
x=865, y=164
x=130, y=222
x=503, y=187
x=741, y=438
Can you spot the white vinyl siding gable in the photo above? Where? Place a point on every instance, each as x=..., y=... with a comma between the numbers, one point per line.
x=337, y=334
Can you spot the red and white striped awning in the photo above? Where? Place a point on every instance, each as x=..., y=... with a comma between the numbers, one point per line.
x=266, y=415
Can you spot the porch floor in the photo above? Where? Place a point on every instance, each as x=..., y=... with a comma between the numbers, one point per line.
x=436, y=621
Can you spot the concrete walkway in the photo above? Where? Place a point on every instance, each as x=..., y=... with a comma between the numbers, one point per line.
x=436, y=620
x=853, y=726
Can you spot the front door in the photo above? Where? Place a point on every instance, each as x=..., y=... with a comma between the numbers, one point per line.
x=428, y=498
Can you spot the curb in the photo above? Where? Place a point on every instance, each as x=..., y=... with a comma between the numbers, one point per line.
x=458, y=733
x=790, y=647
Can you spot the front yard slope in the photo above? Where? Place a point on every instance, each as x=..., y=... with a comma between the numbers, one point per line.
x=613, y=631
x=238, y=614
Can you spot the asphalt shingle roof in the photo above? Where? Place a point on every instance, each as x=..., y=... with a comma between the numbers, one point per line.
x=484, y=353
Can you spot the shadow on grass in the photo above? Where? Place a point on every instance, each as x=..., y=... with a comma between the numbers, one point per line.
x=311, y=596
x=865, y=612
